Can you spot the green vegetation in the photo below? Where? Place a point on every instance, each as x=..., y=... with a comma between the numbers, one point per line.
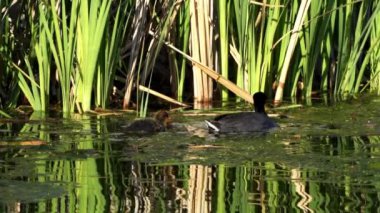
x=86, y=163
x=79, y=53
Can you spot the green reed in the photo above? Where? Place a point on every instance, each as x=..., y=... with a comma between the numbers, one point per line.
x=183, y=41
x=38, y=94
x=328, y=52
x=351, y=72
x=62, y=39
x=138, y=35
x=241, y=9
x=311, y=42
x=224, y=23
x=10, y=43
x=373, y=55
x=109, y=58
x=287, y=18
x=332, y=47
x=145, y=71
x=35, y=85
x=93, y=17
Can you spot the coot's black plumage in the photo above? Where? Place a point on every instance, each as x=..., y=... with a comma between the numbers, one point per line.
x=159, y=123
x=257, y=121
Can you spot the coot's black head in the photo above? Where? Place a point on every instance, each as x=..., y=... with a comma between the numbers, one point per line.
x=259, y=99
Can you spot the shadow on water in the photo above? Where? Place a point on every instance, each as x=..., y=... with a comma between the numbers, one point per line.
x=321, y=159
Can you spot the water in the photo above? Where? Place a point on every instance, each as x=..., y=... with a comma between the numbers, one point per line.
x=323, y=159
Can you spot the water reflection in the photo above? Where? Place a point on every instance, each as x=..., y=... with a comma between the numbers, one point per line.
x=88, y=164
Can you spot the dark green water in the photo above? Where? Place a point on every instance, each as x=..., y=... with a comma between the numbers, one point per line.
x=323, y=159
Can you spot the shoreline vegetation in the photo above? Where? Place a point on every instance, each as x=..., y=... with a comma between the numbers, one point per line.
x=82, y=55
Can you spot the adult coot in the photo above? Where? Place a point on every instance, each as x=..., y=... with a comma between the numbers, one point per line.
x=160, y=122
x=257, y=121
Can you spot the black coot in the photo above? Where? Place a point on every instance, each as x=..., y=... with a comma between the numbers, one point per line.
x=257, y=121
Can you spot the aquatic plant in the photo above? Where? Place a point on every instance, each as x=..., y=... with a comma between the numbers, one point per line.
x=62, y=37
x=110, y=57
x=13, y=38
x=282, y=47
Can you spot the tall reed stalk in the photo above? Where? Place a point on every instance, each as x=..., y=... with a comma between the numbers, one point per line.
x=37, y=90
x=10, y=50
x=311, y=41
x=287, y=18
x=93, y=17
x=202, y=46
x=183, y=41
x=138, y=30
x=348, y=39
x=292, y=45
x=242, y=19
x=328, y=56
x=158, y=37
x=262, y=59
x=109, y=58
x=253, y=43
x=224, y=23
x=62, y=39
x=355, y=55
x=374, y=55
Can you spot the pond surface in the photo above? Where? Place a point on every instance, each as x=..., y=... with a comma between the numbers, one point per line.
x=324, y=158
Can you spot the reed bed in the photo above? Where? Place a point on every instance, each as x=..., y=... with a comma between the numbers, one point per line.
x=78, y=52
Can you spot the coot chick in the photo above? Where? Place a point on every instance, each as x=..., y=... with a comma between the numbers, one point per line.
x=159, y=123
x=257, y=121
